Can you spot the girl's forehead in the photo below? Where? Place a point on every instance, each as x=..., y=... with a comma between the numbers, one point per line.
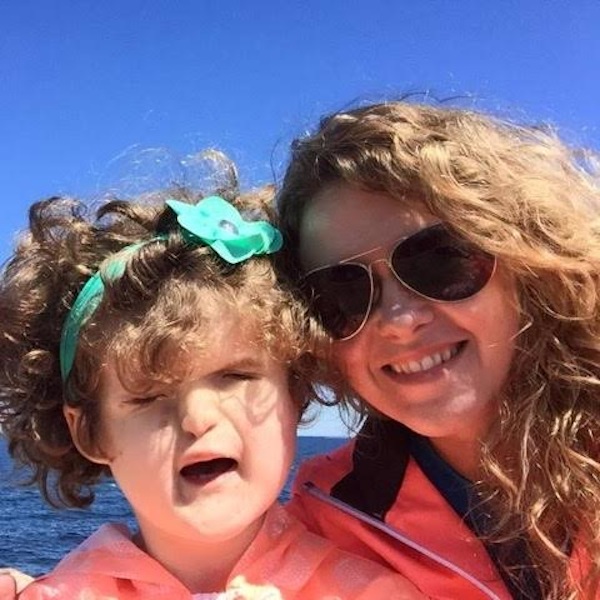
x=221, y=332
x=342, y=221
x=223, y=348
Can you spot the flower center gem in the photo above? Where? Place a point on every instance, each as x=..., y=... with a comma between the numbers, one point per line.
x=228, y=226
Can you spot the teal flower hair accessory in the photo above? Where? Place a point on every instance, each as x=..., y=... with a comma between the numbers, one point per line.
x=218, y=224
x=212, y=222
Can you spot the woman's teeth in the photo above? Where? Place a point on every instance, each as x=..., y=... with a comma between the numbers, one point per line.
x=426, y=363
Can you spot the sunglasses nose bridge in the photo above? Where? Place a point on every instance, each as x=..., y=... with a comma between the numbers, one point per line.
x=379, y=274
x=398, y=308
x=384, y=260
x=387, y=289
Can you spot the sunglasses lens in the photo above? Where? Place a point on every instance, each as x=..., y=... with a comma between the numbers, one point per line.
x=339, y=296
x=441, y=266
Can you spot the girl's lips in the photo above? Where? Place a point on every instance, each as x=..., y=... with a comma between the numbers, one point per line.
x=204, y=471
x=426, y=363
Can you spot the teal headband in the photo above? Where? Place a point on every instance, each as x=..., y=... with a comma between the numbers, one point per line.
x=213, y=222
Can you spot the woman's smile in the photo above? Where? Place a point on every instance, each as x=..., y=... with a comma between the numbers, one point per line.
x=427, y=363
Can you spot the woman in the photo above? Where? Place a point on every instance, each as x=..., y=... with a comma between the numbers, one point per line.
x=454, y=259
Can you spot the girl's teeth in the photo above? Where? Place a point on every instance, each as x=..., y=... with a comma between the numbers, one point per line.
x=433, y=360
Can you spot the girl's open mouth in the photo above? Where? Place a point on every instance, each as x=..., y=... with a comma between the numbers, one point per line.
x=205, y=471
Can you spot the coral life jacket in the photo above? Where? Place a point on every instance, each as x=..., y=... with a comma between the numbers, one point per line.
x=371, y=498
x=285, y=562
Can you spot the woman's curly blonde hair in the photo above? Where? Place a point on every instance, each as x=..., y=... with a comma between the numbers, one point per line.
x=165, y=305
x=521, y=194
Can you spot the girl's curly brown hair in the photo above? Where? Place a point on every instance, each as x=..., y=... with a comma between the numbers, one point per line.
x=521, y=194
x=164, y=305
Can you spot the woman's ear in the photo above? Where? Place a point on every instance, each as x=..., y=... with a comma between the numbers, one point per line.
x=73, y=419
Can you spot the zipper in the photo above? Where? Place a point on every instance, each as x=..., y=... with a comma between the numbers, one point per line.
x=314, y=491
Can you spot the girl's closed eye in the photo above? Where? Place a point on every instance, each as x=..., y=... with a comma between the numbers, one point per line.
x=239, y=371
x=239, y=375
x=144, y=400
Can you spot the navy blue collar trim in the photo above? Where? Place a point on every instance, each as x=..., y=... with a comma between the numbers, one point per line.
x=511, y=558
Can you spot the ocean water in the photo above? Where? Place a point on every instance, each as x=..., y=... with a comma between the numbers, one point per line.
x=34, y=536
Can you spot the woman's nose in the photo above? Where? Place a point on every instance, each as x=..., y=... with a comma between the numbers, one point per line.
x=399, y=311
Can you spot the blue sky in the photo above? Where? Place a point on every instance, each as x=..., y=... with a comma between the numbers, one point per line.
x=85, y=86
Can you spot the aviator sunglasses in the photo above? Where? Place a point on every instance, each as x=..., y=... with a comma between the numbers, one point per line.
x=433, y=263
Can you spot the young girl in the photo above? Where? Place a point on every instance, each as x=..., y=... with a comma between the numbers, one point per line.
x=455, y=261
x=153, y=343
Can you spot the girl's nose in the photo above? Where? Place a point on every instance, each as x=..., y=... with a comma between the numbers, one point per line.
x=199, y=411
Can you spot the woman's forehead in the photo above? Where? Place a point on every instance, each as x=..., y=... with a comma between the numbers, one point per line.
x=344, y=221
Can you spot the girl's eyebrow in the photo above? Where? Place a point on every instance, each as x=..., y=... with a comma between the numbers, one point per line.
x=246, y=362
